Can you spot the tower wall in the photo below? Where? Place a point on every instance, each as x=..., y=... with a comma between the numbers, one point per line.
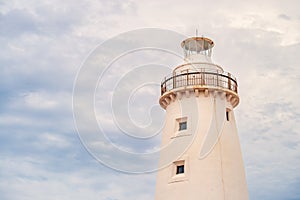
x=212, y=158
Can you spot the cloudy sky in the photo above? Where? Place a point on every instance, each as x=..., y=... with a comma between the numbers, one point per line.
x=44, y=44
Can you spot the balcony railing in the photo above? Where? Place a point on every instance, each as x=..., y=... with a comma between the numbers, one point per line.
x=204, y=78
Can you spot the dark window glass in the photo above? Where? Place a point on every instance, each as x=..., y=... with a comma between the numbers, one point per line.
x=227, y=115
x=180, y=169
x=182, y=126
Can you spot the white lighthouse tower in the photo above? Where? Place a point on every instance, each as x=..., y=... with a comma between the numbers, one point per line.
x=205, y=160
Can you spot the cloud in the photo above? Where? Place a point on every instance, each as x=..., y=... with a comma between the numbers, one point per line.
x=43, y=44
x=76, y=183
x=17, y=22
x=284, y=16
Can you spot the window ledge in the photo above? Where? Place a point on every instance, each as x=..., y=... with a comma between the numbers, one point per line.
x=181, y=134
x=178, y=178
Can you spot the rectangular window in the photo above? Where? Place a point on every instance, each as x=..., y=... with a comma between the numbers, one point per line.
x=182, y=126
x=227, y=115
x=180, y=169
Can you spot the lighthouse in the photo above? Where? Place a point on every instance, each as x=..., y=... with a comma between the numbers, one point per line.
x=205, y=160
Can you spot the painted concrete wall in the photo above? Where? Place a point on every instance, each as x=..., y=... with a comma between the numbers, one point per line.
x=209, y=148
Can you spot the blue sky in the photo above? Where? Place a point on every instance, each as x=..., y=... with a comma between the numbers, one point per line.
x=43, y=46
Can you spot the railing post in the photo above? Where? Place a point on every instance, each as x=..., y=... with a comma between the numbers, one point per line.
x=164, y=86
x=187, y=77
x=202, y=77
x=229, y=81
x=218, y=79
x=174, y=79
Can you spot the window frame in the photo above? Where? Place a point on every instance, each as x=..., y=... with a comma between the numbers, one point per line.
x=181, y=132
x=179, y=177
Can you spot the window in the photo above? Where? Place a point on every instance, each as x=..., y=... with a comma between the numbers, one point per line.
x=182, y=126
x=227, y=115
x=180, y=169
